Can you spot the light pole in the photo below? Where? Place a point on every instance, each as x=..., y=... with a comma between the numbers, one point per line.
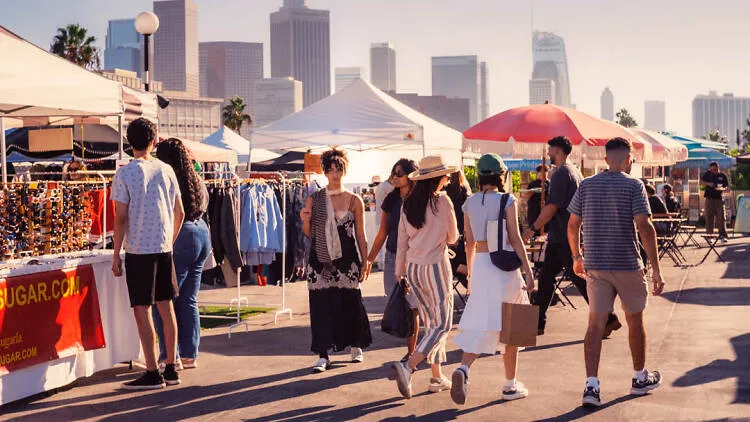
x=146, y=23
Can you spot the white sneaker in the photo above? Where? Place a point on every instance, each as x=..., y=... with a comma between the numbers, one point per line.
x=357, y=355
x=321, y=366
x=403, y=379
x=518, y=392
x=439, y=384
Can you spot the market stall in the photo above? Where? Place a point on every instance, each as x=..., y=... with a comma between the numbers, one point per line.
x=374, y=128
x=687, y=175
x=229, y=140
x=82, y=322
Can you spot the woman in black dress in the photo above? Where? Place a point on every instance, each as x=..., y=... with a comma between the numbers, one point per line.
x=334, y=219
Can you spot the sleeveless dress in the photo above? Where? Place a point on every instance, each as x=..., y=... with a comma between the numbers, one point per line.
x=338, y=318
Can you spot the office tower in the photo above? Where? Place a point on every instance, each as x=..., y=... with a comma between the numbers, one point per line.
x=131, y=79
x=460, y=77
x=176, y=61
x=276, y=98
x=655, y=116
x=542, y=91
x=452, y=112
x=231, y=68
x=301, y=48
x=347, y=75
x=725, y=113
x=123, y=46
x=608, y=105
x=484, y=96
x=383, y=66
x=550, y=62
x=189, y=116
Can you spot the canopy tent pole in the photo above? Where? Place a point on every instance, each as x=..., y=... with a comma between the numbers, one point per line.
x=119, y=132
x=2, y=153
x=250, y=150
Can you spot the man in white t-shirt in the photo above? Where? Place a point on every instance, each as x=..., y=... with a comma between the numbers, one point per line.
x=148, y=218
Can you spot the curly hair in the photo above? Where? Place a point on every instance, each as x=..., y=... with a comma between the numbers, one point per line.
x=334, y=157
x=173, y=152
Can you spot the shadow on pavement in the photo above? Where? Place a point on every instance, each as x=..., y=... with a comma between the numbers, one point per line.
x=736, y=257
x=711, y=296
x=582, y=412
x=721, y=369
x=348, y=413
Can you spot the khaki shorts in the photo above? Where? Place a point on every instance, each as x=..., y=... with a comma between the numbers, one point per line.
x=603, y=286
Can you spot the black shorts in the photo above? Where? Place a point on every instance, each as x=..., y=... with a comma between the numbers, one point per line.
x=150, y=278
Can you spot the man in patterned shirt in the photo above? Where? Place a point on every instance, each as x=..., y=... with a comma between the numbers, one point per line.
x=148, y=218
x=607, y=205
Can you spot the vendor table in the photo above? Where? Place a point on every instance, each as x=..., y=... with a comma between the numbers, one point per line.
x=120, y=332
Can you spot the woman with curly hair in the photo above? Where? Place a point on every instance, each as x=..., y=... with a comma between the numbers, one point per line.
x=334, y=219
x=191, y=249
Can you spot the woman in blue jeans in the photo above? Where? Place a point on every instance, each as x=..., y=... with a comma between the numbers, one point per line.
x=191, y=249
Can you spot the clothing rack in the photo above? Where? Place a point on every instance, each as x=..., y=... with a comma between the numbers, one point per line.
x=278, y=176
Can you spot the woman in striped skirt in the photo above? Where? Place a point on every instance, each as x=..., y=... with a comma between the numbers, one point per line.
x=426, y=228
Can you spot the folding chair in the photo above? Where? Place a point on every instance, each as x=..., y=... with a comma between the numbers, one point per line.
x=712, y=240
x=460, y=279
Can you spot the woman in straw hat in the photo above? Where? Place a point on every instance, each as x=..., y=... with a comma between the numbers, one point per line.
x=426, y=228
x=481, y=322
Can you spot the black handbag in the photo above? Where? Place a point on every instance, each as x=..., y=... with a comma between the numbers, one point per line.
x=505, y=260
x=397, y=317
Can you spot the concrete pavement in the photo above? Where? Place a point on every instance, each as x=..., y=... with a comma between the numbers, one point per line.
x=699, y=337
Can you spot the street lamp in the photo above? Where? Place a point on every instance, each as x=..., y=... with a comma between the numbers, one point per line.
x=146, y=23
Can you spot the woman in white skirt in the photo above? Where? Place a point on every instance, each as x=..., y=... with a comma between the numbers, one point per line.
x=481, y=322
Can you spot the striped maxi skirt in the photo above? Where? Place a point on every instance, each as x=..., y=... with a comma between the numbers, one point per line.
x=431, y=285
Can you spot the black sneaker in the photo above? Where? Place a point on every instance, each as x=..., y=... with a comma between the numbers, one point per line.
x=170, y=375
x=613, y=324
x=652, y=382
x=591, y=397
x=151, y=380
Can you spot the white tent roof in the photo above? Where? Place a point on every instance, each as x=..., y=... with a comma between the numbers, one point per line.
x=228, y=139
x=34, y=82
x=360, y=117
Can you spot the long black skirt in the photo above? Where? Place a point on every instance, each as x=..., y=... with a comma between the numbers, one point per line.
x=338, y=320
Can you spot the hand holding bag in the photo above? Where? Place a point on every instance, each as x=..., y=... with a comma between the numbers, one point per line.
x=505, y=260
x=397, y=317
x=520, y=323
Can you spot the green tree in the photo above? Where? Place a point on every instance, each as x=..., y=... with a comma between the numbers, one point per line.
x=234, y=114
x=745, y=135
x=715, y=136
x=74, y=44
x=625, y=119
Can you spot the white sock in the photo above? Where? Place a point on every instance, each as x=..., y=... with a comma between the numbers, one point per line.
x=510, y=384
x=592, y=382
x=640, y=375
x=464, y=368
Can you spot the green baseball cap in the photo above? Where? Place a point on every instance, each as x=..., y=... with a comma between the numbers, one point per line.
x=491, y=164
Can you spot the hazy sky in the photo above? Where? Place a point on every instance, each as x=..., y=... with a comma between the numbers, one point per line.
x=666, y=50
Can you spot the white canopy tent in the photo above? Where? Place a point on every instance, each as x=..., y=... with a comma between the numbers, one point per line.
x=35, y=83
x=374, y=127
x=228, y=139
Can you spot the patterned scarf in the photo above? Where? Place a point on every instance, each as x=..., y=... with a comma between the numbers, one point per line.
x=325, y=235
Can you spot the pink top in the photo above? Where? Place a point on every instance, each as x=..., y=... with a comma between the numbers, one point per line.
x=428, y=245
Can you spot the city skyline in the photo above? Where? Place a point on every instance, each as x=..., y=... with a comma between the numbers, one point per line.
x=667, y=58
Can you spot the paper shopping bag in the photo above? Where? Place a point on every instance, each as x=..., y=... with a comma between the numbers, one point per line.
x=520, y=323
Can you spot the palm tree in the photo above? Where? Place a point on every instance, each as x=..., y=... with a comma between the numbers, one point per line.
x=625, y=119
x=74, y=44
x=234, y=114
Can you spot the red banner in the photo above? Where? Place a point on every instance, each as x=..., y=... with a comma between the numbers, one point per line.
x=47, y=316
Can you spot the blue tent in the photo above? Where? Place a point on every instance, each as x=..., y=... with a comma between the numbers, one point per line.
x=693, y=143
x=702, y=157
x=522, y=165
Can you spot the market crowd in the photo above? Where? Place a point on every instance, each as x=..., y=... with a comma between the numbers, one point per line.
x=434, y=229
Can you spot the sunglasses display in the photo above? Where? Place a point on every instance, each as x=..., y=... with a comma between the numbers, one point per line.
x=44, y=218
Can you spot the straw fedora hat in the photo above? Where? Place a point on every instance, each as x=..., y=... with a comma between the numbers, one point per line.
x=430, y=167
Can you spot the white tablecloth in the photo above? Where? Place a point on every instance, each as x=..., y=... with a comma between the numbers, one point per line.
x=120, y=332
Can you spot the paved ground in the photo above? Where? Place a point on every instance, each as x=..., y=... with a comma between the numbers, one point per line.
x=699, y=337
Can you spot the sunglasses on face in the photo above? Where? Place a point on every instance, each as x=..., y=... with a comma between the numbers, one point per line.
x=398, y=173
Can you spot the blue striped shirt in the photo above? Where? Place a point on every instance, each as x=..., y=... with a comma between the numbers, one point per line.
x=608, y=203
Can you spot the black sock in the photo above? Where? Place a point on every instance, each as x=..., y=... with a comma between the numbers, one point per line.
x=324, y=355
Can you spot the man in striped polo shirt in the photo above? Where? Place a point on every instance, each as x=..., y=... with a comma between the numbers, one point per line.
x=606, y=205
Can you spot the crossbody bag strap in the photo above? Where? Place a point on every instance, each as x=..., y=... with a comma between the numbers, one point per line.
x=501, y=221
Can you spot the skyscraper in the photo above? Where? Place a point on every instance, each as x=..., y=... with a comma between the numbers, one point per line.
x=484, y=96
x=176, y=61
x=461, y=77
x=655, y=116
x=123, y=46
x=347, y=75
x=452, y=112
x=276, y=98
x=550, y=62
x=301, y=48
x=542, y=91
x=383, y=66
x=725, y=113
x=608, y=105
